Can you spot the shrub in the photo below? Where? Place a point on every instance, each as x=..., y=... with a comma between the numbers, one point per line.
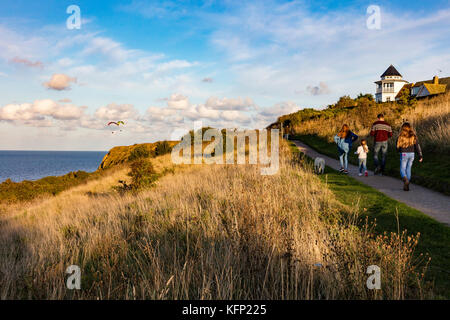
x=26, y=190
x=140, y=151
x=142, y=174
x=162, y=147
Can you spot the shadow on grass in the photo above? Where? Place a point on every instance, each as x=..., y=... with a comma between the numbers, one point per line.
x=434, y=236
x=433, y=173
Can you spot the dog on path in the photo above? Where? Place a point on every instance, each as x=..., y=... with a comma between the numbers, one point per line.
x=319, y=165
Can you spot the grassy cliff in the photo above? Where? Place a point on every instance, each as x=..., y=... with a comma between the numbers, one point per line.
x=117, y=157
x=123, y=154
x=203, y=232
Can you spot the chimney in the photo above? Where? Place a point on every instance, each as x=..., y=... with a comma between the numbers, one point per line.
x=435, y=80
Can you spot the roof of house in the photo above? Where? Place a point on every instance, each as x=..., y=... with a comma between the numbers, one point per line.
x=441, y=81
x=435, y=88
x=391, y=71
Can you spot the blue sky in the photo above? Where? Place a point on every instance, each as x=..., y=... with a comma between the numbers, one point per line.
x=159, y=65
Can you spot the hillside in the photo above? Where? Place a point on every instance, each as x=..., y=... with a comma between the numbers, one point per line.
x=202, y=232
x=122, y=154
x=430, y=118
x=115, y=159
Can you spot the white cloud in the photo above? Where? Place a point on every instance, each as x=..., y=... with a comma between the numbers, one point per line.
x=234, y=115
x=116, y=112
x=230, y=103
x=207, y=112
x=14, y=112
x=275, y=49
x=65, y=62
x=40, y=110
x=107, y=47
x=19, y=48
x=68, y=112
x=279, y=109
x=161, y=114
x=178, y=101
x=44, y=107
x=268, y=115
x=174, y=64
x=60, y=82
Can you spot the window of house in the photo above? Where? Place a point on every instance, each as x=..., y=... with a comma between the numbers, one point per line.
x=388, y=99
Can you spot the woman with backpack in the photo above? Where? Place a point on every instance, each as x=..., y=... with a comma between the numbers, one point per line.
x=407, y=145
x=344, y=140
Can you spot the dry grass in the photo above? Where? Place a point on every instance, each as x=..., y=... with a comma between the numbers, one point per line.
x=205, y=232
x=430, y=118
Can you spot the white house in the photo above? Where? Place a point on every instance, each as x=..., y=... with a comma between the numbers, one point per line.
x=390, y=84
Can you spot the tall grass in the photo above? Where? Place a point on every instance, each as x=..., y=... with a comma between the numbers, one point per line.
x=429, y=117
x=431, y=120
x=204, y=232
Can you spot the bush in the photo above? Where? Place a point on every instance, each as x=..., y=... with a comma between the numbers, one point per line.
x=139, y=152
x=142, y=174
x=26, y=190
x=162, y=148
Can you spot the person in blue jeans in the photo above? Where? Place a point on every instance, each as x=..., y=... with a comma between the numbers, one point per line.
x=381, y=131
x=344, y=140
x=407, y=145
x=362, y=152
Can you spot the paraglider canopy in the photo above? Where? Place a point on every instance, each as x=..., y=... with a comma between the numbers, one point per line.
x=118, y=123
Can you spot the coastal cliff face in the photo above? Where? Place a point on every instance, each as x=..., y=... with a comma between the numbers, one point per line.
x=121, y=154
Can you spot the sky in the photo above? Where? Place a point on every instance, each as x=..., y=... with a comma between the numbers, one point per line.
x=160, y=65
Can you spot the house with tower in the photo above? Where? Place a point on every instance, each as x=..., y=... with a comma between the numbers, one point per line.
x=389, y=85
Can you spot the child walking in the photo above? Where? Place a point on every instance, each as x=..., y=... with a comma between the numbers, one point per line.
x=362, y=152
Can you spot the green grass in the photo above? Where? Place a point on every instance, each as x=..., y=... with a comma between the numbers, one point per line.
x=434, y=236
x=12, y=192
x=433, y=172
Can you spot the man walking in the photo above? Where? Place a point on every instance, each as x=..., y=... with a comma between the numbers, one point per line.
x=381, y=131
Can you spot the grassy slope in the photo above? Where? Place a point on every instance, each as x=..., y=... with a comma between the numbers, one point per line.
x=15, y=192
x=11, y=192
x=434, y=236
x=433, y=172
x=220, y=232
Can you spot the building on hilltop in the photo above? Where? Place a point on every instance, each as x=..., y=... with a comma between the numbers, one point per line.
x=430, y=88
x=389, y=86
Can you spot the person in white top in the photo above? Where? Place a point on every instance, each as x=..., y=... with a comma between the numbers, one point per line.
x=362, y=152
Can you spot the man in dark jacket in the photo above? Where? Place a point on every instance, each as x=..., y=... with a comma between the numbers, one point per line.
x=381, y=131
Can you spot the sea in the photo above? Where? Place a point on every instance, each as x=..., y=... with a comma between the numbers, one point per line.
x=33, y=165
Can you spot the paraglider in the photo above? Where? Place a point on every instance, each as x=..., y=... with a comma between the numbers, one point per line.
x=118, y=123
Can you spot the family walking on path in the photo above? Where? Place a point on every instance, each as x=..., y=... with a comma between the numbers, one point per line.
x=407, y=145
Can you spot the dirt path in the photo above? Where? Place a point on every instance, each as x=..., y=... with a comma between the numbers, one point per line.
x=432, y=203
